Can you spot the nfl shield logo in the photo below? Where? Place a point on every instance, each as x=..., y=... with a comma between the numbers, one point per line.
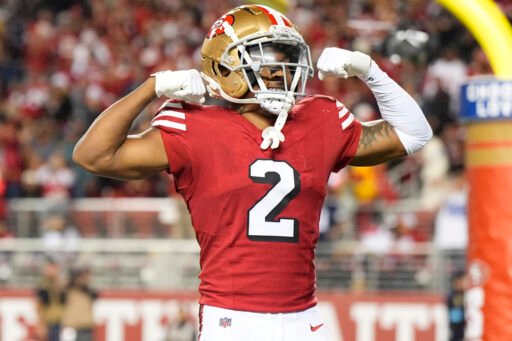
x=225, y=322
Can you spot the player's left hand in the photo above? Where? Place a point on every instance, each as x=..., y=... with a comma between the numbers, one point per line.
x=186, y=85
x=342, y=63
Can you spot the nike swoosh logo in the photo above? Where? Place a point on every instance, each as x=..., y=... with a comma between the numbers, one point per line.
x=315, y=328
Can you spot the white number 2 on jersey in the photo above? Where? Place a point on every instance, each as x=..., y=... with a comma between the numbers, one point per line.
x=262, y=225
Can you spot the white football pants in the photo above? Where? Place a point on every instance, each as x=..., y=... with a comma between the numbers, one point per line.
x=218, y=324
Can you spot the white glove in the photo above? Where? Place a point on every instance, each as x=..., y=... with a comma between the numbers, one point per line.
x=186, y=85
x=342, y=63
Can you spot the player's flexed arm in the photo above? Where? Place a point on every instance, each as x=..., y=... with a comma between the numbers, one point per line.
x=403, y=130
x=106, y=148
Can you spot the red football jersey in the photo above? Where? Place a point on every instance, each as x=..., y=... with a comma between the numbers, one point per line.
x=256, y=212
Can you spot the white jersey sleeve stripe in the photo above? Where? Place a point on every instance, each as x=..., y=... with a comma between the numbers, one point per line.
x=171, y=104
x=169, y=124
x=346, y=123
x=171, y=113
x=343, y=112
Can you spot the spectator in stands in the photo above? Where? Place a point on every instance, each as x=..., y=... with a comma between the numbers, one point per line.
x=59, y=105
x=11, y=163
x=446, y=73
x=29, y=183
x=49, y=302
x=451, y=227
x=455, y=305
x=175, y=221
x=182, y=328
x=79, y=297
x=479, y=63
x=404, y=234
x=55, y=177
x=434, y=173
x=376, y=237
x=336, y=213
x=437, y=109
x=59, y=237
x=5, y=232
x=365, y=184
x=453, y=137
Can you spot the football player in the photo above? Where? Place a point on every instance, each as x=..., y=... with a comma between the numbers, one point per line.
x=254, y=171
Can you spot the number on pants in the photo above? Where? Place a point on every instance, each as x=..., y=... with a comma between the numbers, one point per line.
x=261, y=217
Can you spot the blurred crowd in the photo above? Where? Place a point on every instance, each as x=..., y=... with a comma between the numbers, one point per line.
x=63, y=61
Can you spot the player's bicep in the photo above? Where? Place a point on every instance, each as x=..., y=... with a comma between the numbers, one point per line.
x=378, y=143
x=140, y=156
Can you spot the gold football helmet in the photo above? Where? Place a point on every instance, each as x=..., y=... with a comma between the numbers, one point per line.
x=247, y=40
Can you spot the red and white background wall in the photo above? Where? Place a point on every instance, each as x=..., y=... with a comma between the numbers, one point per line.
x=136, y=316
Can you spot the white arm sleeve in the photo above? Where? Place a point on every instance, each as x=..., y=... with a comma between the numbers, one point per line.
x=399, y=109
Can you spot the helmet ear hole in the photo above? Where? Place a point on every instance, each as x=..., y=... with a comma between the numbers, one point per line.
x=220, y=69
x=232, y=82
x=224, y=71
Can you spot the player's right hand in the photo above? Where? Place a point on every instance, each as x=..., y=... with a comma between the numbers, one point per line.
x=342, y=63
x=186, y=85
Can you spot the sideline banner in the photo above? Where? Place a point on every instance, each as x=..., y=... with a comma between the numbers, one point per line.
x=486, y=98
x=147, y=316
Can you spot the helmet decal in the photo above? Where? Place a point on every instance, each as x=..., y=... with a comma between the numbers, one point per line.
x=218, y=27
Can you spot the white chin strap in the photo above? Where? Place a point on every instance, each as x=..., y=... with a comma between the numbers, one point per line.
x=278, y=104
x=272, y=136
